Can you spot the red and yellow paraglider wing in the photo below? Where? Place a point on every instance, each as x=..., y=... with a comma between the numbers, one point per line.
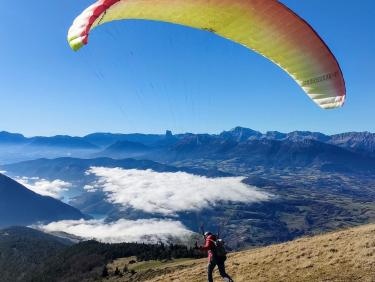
x=265, y=26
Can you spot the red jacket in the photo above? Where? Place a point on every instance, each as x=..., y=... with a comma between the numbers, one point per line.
x=209, y=246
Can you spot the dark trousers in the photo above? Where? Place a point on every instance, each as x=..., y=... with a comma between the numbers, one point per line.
x=219, y=262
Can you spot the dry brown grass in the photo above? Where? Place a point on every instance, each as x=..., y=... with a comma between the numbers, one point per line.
x=347, y=255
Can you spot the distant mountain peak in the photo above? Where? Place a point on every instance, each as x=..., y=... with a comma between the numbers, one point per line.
x=240, y=134
x=301, y=135
x=243, y=129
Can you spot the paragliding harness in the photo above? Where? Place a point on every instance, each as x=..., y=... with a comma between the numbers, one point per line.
x=219, y=250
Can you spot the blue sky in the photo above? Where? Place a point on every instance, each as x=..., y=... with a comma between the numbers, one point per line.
x=138, y=76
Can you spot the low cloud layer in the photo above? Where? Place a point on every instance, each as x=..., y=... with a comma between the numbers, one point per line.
x=167, y=193
x=44, y=187
x=142, y=230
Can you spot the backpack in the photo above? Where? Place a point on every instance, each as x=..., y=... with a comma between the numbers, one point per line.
x=220, y=248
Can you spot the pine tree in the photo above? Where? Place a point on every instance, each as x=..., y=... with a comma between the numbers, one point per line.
x=117, y=272
x=105, y=272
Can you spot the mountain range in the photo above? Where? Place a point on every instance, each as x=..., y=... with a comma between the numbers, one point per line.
x=351, y=152
x=356, y=141
x=73, y=169
x=310, y=174
x=269, y=153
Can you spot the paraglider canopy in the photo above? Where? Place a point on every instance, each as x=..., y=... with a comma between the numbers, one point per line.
x=266, y=26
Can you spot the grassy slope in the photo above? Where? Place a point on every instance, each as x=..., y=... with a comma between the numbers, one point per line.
x=347, y=255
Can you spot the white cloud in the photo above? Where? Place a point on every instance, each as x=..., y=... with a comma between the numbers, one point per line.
x=90, y=188
x=167, y=193
x=142, y=230
x=45, y=187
